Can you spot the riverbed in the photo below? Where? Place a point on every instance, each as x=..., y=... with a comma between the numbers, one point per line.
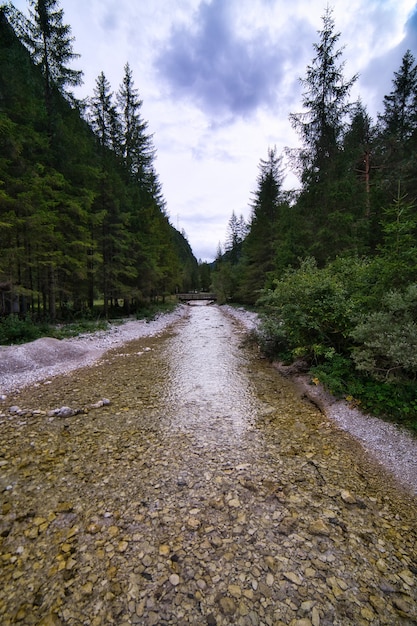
x=193, y=485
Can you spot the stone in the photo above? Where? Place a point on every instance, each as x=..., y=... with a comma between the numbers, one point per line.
x=193, y=523
x=318, y=527
x=65, y=411
x=287, y=525
x=407, y=577
x=270, y=563
x=315, y=616
x=97, y=405
x=122, y=546
x=347, y=497
x=174, y=579
x=235, y=591
x=164, y=550
x=293, y=577
x=227, y=605
x=96, y=527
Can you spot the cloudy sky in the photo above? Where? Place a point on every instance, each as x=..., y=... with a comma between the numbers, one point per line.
x=218, y=79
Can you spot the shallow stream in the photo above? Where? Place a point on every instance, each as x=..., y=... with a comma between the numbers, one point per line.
x=206, y=492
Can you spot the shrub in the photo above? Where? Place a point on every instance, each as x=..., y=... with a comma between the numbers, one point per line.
x=309, y=312
x=387, y=339
x=14, y=330
x=387, y=399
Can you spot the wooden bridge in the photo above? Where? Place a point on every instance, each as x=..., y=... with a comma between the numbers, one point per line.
x=199, y=295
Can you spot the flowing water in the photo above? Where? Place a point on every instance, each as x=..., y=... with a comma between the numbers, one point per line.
x=207, y=492
x=209, y=387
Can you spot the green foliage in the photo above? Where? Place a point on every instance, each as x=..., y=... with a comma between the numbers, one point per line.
x=82, y=214
x=390, y=400
x=226, y=282
x=325, y=105
x=398, y=249
x=309, y=312
x=349, y=309
x=73, y=329
x=387, y=339
x=258, y=248
x=151, y=310
x=14, y=330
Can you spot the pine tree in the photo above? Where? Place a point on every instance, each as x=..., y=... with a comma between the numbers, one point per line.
x=137, y=147
x=236, y=232
x=398, y=133
x=399, y=119
x=104, y=117
x=357, y=171
x=324, y=100
x=322, y=206
x=259, y=247
x=51, y=46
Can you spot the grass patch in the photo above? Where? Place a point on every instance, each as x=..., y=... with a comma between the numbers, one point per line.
x=151, y=311
x=73, y=329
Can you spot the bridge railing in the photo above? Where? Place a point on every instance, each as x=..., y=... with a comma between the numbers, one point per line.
x=201, y=295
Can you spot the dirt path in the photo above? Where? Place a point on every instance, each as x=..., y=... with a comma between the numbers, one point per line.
x=112, y=516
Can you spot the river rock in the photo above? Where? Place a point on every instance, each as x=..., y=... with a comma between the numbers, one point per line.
x=227, y=605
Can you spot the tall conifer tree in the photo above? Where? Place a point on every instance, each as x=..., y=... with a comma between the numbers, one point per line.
x=137, y=146
x=51, y=45
x=259, y=245
x=321, y=127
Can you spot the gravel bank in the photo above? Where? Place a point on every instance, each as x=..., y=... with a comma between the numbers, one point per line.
x=47, y=357
x=390, y=445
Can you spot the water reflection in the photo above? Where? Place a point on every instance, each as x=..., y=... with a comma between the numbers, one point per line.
x=209, y=389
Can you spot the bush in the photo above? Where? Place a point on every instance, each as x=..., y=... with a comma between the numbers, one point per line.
x=386, y=399
x=388, y=338
x=309, y=313
x=77, y=328
x=14, y=330
x=150, y=311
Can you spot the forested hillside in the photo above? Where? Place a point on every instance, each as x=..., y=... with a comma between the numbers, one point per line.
x=82, y=214
x=334, y=264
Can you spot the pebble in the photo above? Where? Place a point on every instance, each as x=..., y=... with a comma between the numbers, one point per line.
x=174, y=579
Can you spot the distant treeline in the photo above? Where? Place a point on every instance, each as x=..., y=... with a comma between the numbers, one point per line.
x=82, y=214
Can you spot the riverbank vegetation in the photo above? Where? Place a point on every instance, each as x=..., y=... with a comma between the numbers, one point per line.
x=82, y=214
x=333, y=265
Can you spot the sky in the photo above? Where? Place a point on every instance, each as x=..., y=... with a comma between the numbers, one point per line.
x=218, y=80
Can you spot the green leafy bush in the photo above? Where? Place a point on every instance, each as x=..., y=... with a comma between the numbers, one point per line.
x=358, y=346
x=387, y=339
x=309, y=313
x=77, y=328
x=14, y=330
x=396, y=401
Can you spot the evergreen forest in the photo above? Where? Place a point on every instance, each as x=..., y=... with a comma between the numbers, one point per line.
x=83, y=222
x=333, y=265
